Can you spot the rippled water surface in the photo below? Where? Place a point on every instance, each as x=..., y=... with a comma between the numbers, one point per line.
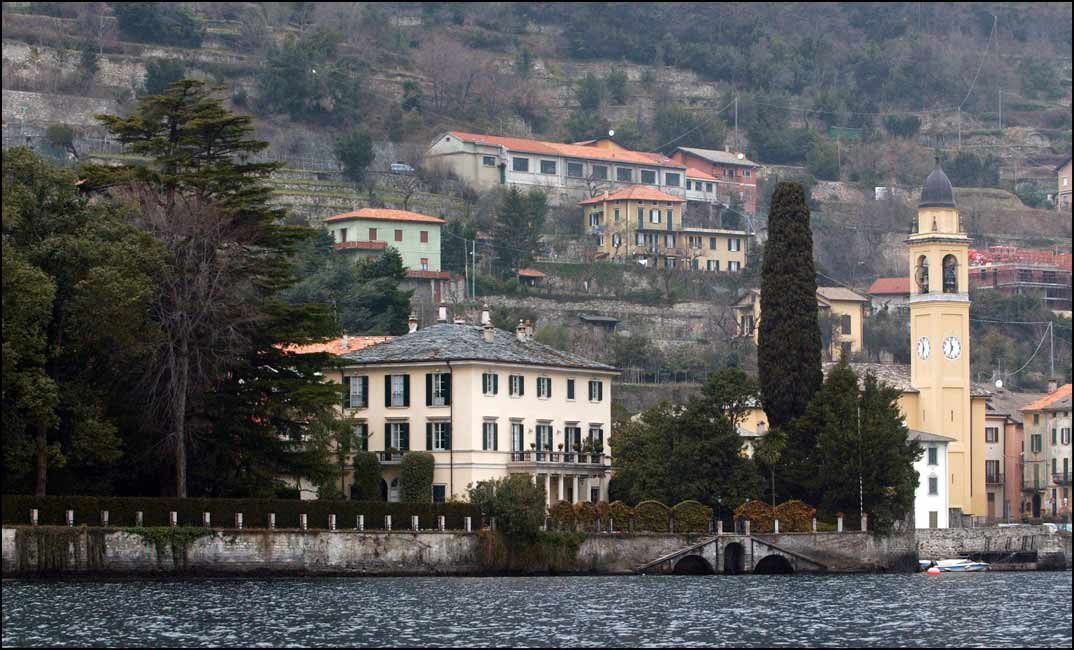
x=984, y=609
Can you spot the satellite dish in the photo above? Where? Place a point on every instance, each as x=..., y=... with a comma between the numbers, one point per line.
x=611, y=133
x=741, y=156
x=999, y=383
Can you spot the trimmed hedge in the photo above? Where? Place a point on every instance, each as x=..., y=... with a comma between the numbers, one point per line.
x=121, y=512
x=367, y=473
x=795, y=516
x=651, y=516
x=562, y=515
x=759, y=513
x=620, y=514
x=416, y=477
x=691, y=517
x=586, y=514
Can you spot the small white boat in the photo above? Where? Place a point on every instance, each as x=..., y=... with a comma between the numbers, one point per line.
x=961, y=565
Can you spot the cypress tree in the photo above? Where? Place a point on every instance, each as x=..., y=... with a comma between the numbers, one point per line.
x=789, y=345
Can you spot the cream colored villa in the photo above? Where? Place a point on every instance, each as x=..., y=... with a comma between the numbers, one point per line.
x=486, y=403
x=846, y=305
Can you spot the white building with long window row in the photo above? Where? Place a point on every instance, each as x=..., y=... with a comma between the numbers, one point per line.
x=486, y=403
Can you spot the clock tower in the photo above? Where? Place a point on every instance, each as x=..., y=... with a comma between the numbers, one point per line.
x=939, y=336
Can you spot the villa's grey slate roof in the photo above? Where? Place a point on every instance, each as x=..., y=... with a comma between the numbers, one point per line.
x=925, y=436
x=451, y=342
x=717, y=156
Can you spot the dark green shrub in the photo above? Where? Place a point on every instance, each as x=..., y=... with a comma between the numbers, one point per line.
x=651, y=516
x=416, y=477
x=160, y=73
x=620, y=514
x=515, y=502
x=586, y=514
x=367, y=473
x=691, y=517
x=158, y=22
x=562, y=515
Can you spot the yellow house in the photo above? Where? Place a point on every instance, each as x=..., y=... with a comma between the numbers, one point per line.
x=644, y=224
x=847, y=306
x=937, y=397
x=486, y=404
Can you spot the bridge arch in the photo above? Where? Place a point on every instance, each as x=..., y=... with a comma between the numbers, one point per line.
x=693, y=565
x=773, y=565
x=734, y=559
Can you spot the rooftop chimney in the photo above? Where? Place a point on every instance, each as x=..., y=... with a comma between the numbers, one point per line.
x=529, y=330
x=413, y=323
x=346, y=342
x=485, y=318
x=520, y=331
x=487, y=332
x=441, y=316
x=1053, y=385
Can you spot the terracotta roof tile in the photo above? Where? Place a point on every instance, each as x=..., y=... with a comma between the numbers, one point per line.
x=385, y=214
x=335, y=346
x=635, y=193
x=530, y=273
x=433, y=275
x=525, y=145
x=362, y=245
x=890, y=286
x=1047, y=400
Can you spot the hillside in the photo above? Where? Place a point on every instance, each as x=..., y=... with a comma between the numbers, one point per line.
x=843, y=97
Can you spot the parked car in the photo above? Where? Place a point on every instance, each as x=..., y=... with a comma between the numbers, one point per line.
x=401, y=168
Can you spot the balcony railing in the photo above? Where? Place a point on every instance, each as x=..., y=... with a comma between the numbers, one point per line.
x=994, y=479
x=561, y=457
x=1061, y=478
x=390, y=457
x=1034, y=482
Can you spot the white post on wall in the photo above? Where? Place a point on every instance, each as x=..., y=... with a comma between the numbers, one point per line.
x=440, y=523
x=746, y=527
x=104, y=517
x=139, y=517
x=271, y=520
x=70, y=517
x=331, y=522
x=864, y=523
x=839, y=524
x=33, y=516
x=466, y=523
x=414, y=523
x=173, y=518
x=359, y=524
x=238, y=520
x=387, y=522
x=814, y=524
x=303, y=521
x=206, y=520
x=775, y=523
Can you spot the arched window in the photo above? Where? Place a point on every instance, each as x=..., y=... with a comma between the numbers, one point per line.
x=950, y=274
x=921, y=274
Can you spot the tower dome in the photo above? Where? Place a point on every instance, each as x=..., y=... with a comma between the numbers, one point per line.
x=937, y=191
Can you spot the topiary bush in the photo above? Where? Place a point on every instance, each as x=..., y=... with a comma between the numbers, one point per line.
x=416, y=477
x=367, y=476
x=795, y=516
x=652, y=516
x=691, y=517
x=586, y=515
x=620, y=514
x=759, y=513
x=563, y=516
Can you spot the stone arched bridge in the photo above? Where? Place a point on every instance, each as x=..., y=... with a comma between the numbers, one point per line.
x=733, y=554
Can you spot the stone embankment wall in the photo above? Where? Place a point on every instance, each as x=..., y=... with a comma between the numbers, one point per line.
x=853, y=552
x=1053, y=549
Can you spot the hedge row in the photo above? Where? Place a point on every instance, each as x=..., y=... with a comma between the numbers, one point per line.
x=121, y=512
x=794, y=516
x=649, y=516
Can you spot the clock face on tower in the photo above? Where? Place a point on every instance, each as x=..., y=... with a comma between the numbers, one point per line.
x=923, y=347
x=951, y=347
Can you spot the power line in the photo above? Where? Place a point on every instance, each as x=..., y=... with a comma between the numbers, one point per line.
x=703, y=123
x=980, y=65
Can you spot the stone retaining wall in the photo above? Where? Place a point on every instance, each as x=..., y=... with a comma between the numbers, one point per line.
x=1053, y=549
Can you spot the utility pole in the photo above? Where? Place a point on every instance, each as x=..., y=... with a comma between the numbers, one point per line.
x=1051, y=354
x=465, y=268
x=473, y=276
x=736, y=122
x=1000, y=91
x=960, y=128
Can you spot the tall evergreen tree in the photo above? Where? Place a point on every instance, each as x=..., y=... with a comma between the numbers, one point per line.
x=789, y=342
x=516, y=237
x=224, y=329
x=77, y=284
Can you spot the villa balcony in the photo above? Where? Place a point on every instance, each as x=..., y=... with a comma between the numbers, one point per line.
x=1061, y=478
x=560, y=458
x=1034, y=483
x=390, y=457
x=994, y=479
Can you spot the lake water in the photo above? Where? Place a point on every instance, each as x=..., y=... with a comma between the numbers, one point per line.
x=983, y=609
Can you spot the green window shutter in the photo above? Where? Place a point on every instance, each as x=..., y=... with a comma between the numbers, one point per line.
x=428, y=436
x=387, y=390
x=404, y=437
x=485, y=383
x=495, y=383
x=448, y=436
x=347, y=392
x=365, y=390
x=521, y=384
x=428, y=389
x=447, y=389
x=600, y=391
x=406, y=390
x=496, y=437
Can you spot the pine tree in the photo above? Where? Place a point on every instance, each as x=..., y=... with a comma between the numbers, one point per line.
x=517, y=235
x=221, y=367
x=789, y=342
